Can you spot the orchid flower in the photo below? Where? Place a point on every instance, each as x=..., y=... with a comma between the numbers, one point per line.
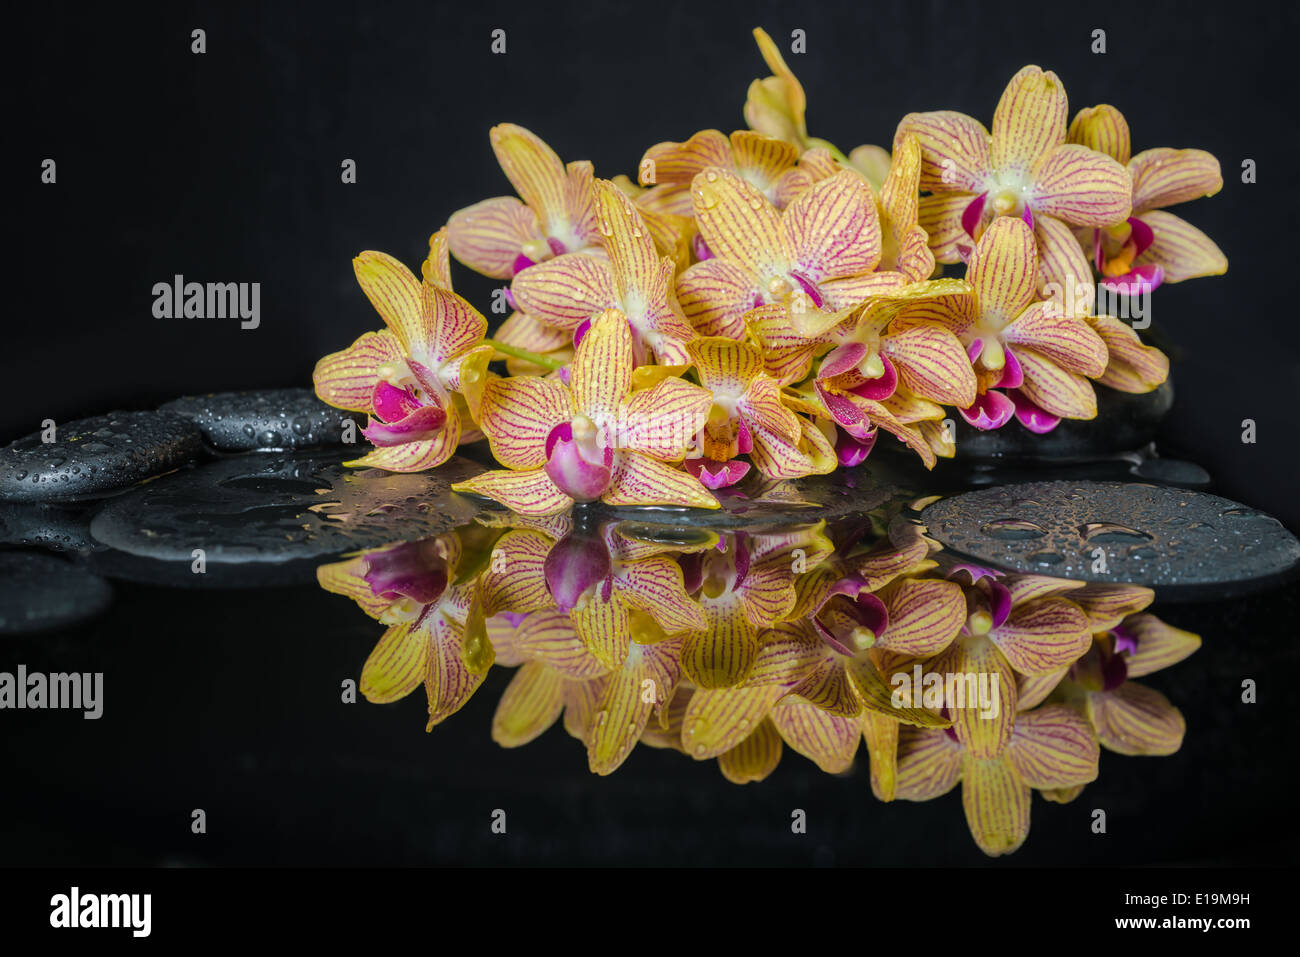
x=748, y=417
x=420, y=379
x=820, y=253
x=1151, y=246
x=571, y=290
x=436, y=633
x=595, y=438
x=501, y=237
x=1024, y=169
x=1049, y=748
x=769, y=164
x=1034, y=349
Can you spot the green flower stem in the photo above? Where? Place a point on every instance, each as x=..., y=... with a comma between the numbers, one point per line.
x=524, y=354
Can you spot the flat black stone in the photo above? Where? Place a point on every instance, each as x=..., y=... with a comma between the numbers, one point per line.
x=41, y=592
x=270, y=518
x=1125, y=422
x=59, y=528
x=272, y=419
x=94, y=457
x=1185, y=544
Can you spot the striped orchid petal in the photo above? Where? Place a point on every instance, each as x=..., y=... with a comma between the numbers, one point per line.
x=418, y=455
x=453, y=326
x=992, y=410
x=880, y=735
x=724, y=652
x=1083, y=188
x=397, y=665
x=1180, y=249
x=738, y=222
x=551, y=638
x=718, y=720
x=633, y=257
x=398, y=297
x=929, y=764
x=1003, y=268
x=517, y=415
x=1029, y=122
x=1042, y=636
x=876, y=692
x=941, y=216
x=1064, y=273
x=1158, y=645
x=624, y=709
x=515, y=578
x=983, y=732
x=924, y=617
x=1104, y=129
x=601, y=374
x=1166, y=177
x=566, y=291
x=450, y=682
x=528, y=492
x=530, y=704
x=932, y=363
x=1054, y=389
x=656, y=586
x=754, y=758
x=436, y=267
x=832, y=230
x=640, y=480
x=1136, y=720
x=1108, y=605
x=488, y=237
x=347, y=578
x=346, y=379
x=761, y=158
x=828, y=688
x=829, y=741
x=662, y=421
x=996, y=803
x=954, y=150
x=1069, y=342
x=536, y=172
x=1053, y=747
x=681, y=162
x=724, y=365
x=715, y=295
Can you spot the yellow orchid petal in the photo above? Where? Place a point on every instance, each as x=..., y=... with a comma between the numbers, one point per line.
x=1082, y=187
x=640, y=480
x=1069, y=342
x=1104, y=129
x=415, y=456
x=518, y=413
x=347, y=379
x=932, y=363
x=1064, y=273
x=1165, y=177
x=450, y=682
x=1180, y=249
x=832, y=230
x=996, y=803
x=1054, y=389
x=715, y=295
x=515, y=577
x=436, y=267
x=940, y=215
x=625, y=708
x=983, y=732
x=954, y=151
x=874, y=163
x=1030, y=120
x=633, y=257
x=681, y=162
x=737, y=221
x=776, y=105
x=529, y=705
x=1043, y=636
x=1134, y=719
x=1159, y=645
x=723, y=653
x=601, y=374
x=924, y=616
x=534, y=170
x=529, y=493
x=830, y=741
x=725, y=365
x=880, y=734
x=489, y=236
x=397, y=665
x=566, y=291
x=754, y=758
x=1053, y=747
x=662, y=421
x=760, y=158
x=1003, y=268
x=929, y=764
x=397, y=296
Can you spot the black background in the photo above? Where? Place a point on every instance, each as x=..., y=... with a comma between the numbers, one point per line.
x=225, y=167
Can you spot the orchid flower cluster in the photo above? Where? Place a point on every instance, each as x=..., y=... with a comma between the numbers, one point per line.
x=735, y=645
x=762, y=301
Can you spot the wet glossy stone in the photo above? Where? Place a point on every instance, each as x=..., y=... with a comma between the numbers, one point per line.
x=1186, y=544
x=41, y=592
x=269, y=419
x=270, y=518
x=1124, y=422
x=59, y=528
x=93, y=457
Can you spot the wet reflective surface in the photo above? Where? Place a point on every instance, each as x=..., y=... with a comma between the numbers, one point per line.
x=808, y=641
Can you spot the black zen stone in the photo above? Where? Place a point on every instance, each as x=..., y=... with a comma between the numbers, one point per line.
x=94, y=457
x=1125, y=422
x=41, y=592
x=1186, y=544
x=59, y=528
x=270, y=419
x=269, y=519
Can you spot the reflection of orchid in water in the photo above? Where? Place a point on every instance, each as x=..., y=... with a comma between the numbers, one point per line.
x=736, y=645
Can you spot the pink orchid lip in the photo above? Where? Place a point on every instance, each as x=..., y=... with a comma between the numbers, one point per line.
x=714, y=474
x=973, y=213
x=810, y=289
x=975, y=572
x=999, y=596
x=424, y=423
x=881, y=387
x=1140, y=235
x=1114, y=671
x=846, y=415
x=992, y=410
x=744, y=438
x=741, y=558
x=571, y=467
x=701, y=248
x=841, y=359
x=557, y=248
x=510, y=299
x=863, y=608
x=1126, y=642
x=692, y=566
x=1028, y=217
x=392, y=404
x=853, y=451
x=583, y=328
x=1012, y=375
x=521, y=263
x=1138, y=280
x=412, y=570
x=574, y=565
x=1030, y=415
x=975, y=350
